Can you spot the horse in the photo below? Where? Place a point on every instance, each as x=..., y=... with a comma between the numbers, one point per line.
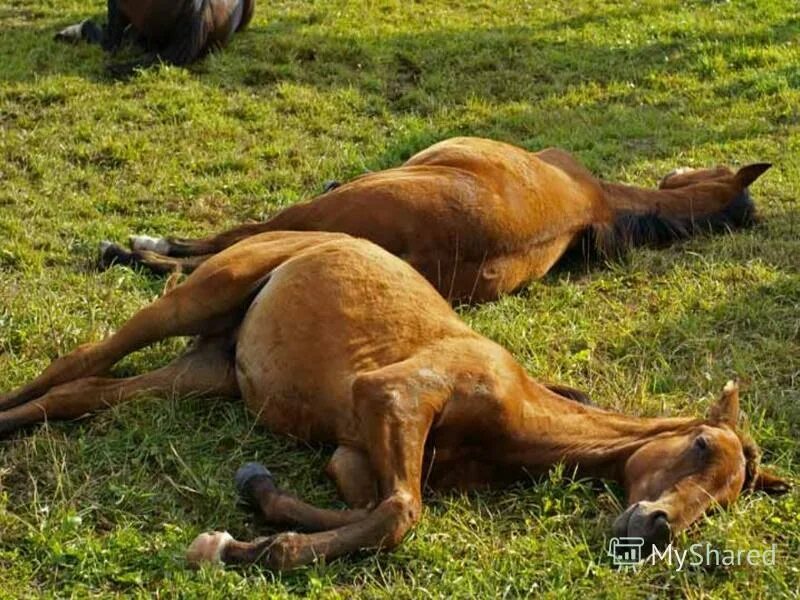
x=322, y=336
x=481, y=218
x=174, y=31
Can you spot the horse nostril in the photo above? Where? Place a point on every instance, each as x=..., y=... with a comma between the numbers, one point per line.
x=658, y=530
x=650, y=525
x=658, y=519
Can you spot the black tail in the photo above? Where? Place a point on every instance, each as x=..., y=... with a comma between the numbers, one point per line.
x=651, y=229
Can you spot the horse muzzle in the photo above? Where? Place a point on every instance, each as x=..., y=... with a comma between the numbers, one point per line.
x=648, y=523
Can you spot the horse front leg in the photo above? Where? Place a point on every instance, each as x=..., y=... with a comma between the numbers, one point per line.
x=256, y=487
x=115, y=30
x=187, y=42
x=396, y=415
x=186, y=247
x=85, y=31
x=349, y=469
x=109, y=37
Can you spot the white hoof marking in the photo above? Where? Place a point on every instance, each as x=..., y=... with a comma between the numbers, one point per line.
x=145, y=242
x=207, y=548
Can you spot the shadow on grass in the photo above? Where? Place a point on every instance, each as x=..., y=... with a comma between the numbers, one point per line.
x=734, y=335
x=516, y=77
x=502, y=64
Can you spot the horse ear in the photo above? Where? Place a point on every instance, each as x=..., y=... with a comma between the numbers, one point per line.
x=749, y=173
x=770, y=483
x=726, y=409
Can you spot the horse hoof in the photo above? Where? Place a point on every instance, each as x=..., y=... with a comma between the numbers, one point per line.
x=72, y=34
x=87, y=31
x=145, y=242
x=207, y=548
x=330, y=185
x=246, y=478
x=112, y=254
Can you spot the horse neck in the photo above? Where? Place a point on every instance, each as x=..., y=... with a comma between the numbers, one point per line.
x=698, y=199
x=596, y=442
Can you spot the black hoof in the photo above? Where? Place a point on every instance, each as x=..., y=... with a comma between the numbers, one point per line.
x=248, y=476
x=113, y=254
x=330, y=185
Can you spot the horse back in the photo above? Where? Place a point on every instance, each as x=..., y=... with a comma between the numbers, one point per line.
x=542, y=190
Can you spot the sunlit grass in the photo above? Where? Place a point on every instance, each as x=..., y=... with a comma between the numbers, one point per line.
x=324, y=90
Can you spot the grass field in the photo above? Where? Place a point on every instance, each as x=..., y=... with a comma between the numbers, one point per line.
x=323, y=90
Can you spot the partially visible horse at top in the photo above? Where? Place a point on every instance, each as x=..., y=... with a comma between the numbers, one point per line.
x=173, y=31
x=480, y=218
x=323, y=337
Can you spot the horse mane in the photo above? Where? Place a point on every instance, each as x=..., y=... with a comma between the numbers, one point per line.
x=651, y=229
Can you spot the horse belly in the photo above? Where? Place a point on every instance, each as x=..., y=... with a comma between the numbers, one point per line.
x=282, y=391
x=290, y=383
x=323, y=319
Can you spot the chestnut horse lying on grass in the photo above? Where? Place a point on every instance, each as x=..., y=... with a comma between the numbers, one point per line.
x=480, y=218
x=174, y=31
x=322, y=336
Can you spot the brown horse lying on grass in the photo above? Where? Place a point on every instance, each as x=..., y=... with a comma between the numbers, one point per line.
x=322, y=336
x=480, y=218
x=174, y=31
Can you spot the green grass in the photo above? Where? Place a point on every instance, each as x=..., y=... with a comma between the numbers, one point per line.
x=323, y=90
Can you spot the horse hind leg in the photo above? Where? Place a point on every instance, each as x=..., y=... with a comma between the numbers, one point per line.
x=175, y=247
x=210, y=302
x=207, y=369
x=160, y=264
x=176, y=313
x=185, y=247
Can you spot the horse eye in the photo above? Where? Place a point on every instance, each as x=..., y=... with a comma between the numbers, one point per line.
x=701, y=443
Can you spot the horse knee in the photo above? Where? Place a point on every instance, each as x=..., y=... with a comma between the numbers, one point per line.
x=352, y=474
x=285, y=551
